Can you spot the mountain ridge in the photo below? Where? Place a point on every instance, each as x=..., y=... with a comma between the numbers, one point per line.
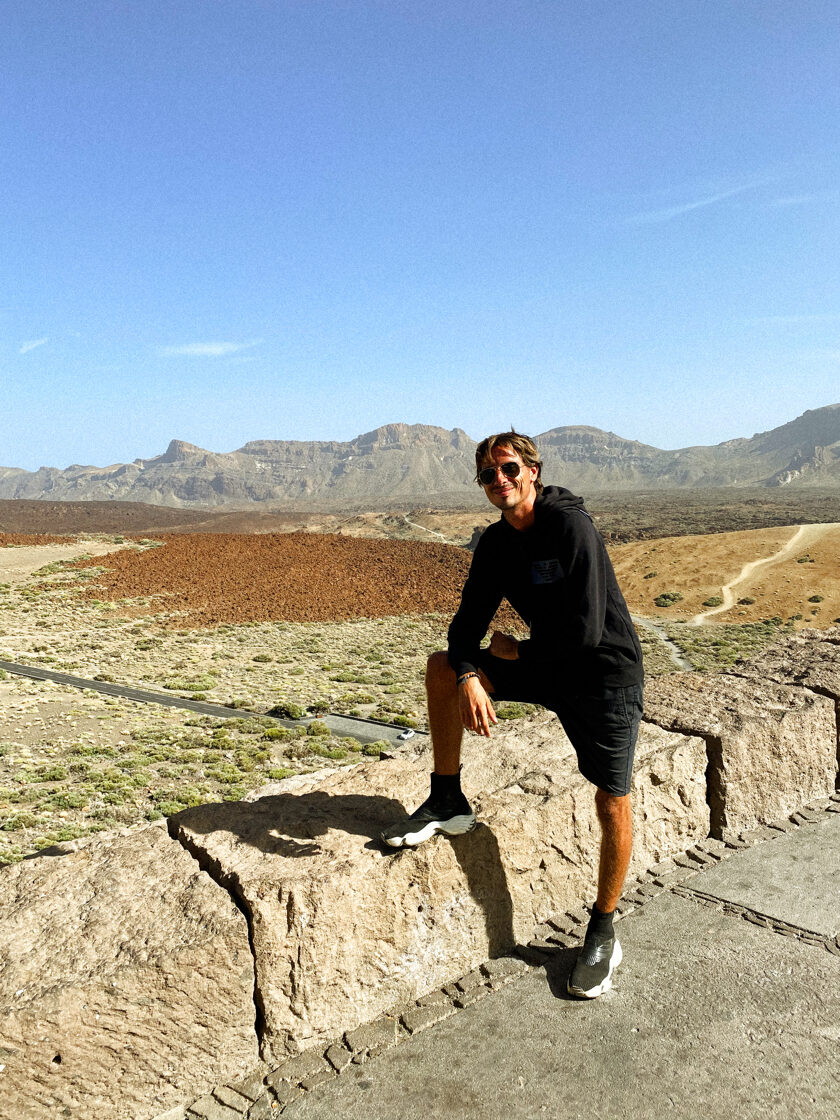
x=422, y=462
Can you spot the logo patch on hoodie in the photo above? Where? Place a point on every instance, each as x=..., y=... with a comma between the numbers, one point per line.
x=546, y=571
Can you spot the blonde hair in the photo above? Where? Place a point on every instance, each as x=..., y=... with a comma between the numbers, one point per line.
x=520, y=445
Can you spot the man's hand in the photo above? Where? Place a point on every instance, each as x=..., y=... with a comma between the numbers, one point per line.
x=477, y=712
x=503, y=645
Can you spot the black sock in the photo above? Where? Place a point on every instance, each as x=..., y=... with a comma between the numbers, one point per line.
x=600, y=924
x=446, y=786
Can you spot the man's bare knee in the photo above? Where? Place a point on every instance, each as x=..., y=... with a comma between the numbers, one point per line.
x=610, y=807
x=439, y=673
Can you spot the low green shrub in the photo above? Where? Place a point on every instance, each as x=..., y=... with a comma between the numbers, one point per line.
x=328, y=752
x=286, y=709
x=190, y=684
x=668, y=598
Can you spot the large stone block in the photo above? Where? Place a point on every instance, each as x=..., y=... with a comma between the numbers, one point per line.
x=810, y=659
x=344, y=929
x=771, y=748
x=126, y=982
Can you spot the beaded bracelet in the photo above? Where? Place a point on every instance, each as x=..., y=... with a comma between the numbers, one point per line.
x=466, y=677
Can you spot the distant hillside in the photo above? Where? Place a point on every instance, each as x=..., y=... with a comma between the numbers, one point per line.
x=417, y=463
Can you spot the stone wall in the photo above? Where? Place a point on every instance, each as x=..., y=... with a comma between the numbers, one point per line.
x=138, y=971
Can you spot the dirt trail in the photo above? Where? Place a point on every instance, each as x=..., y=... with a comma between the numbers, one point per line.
x=434, y=532
x=673, y=650
x=804, y=534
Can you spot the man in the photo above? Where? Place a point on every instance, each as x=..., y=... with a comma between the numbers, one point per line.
x=582, y=661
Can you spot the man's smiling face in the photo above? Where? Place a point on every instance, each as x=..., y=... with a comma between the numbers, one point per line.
x=509, y=493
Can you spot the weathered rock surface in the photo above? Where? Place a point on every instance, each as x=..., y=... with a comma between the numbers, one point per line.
x=771, y=748
x=810, y=659
x=343, y=930
x=126, y=982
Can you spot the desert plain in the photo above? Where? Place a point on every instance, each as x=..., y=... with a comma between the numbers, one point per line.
x=295, y=624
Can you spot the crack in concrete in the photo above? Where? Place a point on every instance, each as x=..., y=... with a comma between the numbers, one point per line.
x=756, y=917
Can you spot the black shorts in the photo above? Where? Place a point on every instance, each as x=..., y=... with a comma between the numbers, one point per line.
x=602, y=722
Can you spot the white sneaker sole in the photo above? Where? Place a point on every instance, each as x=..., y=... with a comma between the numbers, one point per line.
x=455, y=826
x=606, y=983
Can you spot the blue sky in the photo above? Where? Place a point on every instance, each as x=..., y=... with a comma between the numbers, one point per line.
x=227, y=220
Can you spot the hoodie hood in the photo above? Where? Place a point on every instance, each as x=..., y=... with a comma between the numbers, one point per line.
x=558, y=497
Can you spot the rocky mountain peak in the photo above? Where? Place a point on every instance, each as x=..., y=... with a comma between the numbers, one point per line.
x=405, y=435
x=179, y=451
x=425, y=463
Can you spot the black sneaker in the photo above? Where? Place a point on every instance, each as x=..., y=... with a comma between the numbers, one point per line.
x=592, y=974
x=451, y=817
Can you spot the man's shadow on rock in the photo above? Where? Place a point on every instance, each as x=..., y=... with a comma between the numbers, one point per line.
x=479, y=858
x=289, y=825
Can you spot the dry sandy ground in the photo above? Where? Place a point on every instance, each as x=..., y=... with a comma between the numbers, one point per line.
x=18, y=563
x=780, y=569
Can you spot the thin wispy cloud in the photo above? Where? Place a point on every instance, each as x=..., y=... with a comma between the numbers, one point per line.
x=668, y=213
x=206, y=349
x=25, y=347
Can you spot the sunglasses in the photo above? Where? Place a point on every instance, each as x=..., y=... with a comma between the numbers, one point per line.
x=488, y=476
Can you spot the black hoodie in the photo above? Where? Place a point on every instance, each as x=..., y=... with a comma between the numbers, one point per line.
x=558, y=577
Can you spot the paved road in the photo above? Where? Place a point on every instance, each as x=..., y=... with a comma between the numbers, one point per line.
x=363, y=730
x=727, y=1006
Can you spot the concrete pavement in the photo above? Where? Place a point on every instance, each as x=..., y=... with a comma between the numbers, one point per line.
x=727, y=1004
